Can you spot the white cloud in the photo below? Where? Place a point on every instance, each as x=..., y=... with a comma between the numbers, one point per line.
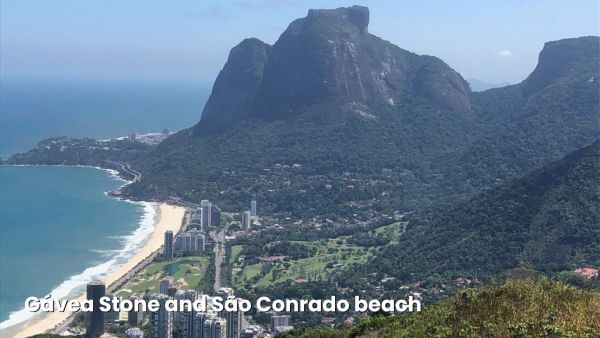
x=505, y=53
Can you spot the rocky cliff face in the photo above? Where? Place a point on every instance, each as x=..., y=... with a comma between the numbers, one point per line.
x=568, y=58
x=326, y=63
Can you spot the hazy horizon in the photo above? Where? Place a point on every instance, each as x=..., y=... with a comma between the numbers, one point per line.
x=189, y=42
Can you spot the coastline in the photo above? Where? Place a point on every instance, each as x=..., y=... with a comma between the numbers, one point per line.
x=169, y=217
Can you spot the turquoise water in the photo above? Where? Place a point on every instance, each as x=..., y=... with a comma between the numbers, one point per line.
x=56, y=222
x=57, y=227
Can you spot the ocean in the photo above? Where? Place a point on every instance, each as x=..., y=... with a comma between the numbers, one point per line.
x=31, y=111
x=58, y=228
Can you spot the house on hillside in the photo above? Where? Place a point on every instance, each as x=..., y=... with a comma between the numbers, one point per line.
x=587, y=272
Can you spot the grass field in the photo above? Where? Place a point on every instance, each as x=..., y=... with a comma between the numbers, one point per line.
x=187, y=271
x=235, y=252
x=331, y=255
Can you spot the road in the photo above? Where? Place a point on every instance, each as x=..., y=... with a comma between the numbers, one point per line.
x=219, y=250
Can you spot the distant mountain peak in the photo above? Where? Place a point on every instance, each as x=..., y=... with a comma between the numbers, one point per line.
x=574, y=57
x=326, y=64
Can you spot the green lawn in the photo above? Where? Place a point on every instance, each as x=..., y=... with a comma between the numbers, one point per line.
x=331, y=255
x=235, y=252
x=185, y=270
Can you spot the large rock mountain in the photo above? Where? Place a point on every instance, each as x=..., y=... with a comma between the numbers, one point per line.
x=334, y=122
x=326, y=63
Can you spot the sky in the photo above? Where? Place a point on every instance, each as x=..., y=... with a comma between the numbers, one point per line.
x=181, y=40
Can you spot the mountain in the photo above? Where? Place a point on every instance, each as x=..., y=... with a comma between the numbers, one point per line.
x=334, y=123
x=325, y=63
x=548, y=219
x=551, y=113
x=518, y=308
x=564, y=59
x=479, y=86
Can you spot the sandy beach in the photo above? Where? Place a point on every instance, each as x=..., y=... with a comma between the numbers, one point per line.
x=169, y=217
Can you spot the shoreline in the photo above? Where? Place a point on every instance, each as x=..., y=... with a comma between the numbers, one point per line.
x=169, y=217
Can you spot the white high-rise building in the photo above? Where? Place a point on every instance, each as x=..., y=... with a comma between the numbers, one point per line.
x=191, y=241
x=161, y=320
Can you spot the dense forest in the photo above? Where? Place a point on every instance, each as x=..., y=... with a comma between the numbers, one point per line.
x=549, y=219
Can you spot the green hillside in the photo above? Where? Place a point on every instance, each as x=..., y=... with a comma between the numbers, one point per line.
x=517, y=308
x=549, y=219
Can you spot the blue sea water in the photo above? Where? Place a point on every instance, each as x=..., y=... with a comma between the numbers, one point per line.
x=58, y=229
x=32, y=110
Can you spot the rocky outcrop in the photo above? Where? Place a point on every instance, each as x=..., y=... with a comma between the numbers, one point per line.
x=325, y=64
x=568, y=58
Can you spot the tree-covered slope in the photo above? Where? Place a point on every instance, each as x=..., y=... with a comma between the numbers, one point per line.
x=517, y=308
x=549, y=219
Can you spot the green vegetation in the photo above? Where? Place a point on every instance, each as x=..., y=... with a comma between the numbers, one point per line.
x=306, y=260
x=187, y=271
x=548, y=219
x=517, y=308
x=235, y=252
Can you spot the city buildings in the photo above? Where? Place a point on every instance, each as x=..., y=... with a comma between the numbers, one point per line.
x=196, y=220
x=253, y=208
x=135, y=318
x=280, y=321
x=185, y=320
x=168, y=246
x=206, y=206
x=94, y=327
x=191, y=241
x=161, y=321
x=211, y=214
x=134, y=332
x=234, y=318
x=246, y=219
x=215, y=327
x=168, y=286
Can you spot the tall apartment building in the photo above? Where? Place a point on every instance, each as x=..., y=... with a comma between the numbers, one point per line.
x=135, y=318
x=234, y=318
x=210, y=325
x=206, y=206
x=253, y=208
x=186, y=319
x=246, y=219
x=161, y=320
x=191, y=241
x=168, y=246
x=94, y=327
